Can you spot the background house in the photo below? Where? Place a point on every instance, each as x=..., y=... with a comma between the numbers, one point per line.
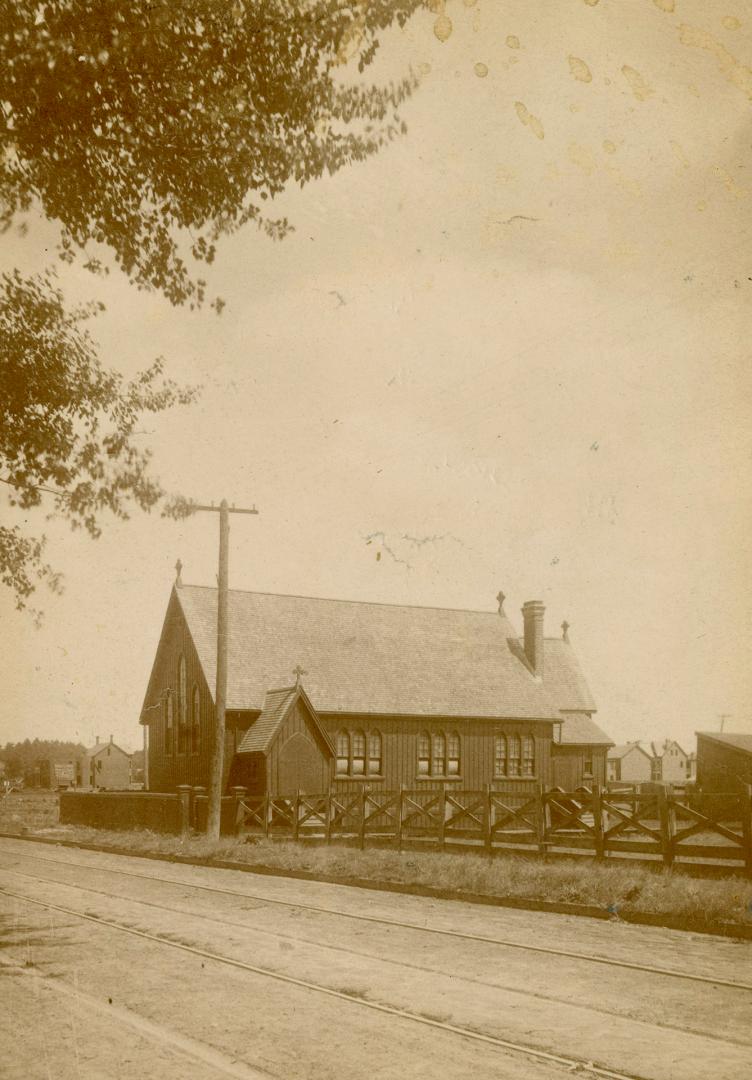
x=724, y=761
x=630, y=763
x=103, y=767
x=671, y=763
x=394, y=695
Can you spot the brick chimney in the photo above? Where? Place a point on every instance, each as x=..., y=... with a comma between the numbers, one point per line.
x=96, y=740
x=532, y=614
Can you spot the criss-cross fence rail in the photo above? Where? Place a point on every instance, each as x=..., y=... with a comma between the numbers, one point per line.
x=652, y=822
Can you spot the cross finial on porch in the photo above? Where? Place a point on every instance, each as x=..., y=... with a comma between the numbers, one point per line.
x=565, y=630
x=178, y=572
x=298, y=672
x=501, y=598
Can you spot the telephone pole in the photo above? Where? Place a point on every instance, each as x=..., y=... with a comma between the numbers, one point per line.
x=220, y=697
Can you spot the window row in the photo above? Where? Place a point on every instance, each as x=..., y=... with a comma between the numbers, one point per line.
x=352, y=759
x=514, y=755
x=183, y=737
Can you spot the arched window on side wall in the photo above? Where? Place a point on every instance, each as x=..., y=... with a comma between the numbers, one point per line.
x=343, y=753
x=374, y=753
x=438, y=754
x=358, y=764
x=514, y=762
x=424, y=754
x=528, y=755
x=500, y=755
x=196, y=722
x=453, y=754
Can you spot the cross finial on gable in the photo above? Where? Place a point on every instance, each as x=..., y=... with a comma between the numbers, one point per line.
x=298, y=672
x=178, y=572
x=565, y=630
x=501, y=598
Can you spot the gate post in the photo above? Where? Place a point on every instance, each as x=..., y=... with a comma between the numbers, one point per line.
x=184, y=808
x=668, y=823
x=240, y=794
x=296, y=815
x=442, y=814
x=362, y=830
x=746, y=805
x=328, y=819
x=488, y=820
x=597, y=803
x=197, y=791
x=540, y=819
x=398, y=830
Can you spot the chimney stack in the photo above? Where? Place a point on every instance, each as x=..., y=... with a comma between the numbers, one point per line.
x=96, y=740
x=532, y=614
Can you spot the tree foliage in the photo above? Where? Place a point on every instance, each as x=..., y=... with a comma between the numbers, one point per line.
x=67, y=425
x=157, y=126
x=20, y=757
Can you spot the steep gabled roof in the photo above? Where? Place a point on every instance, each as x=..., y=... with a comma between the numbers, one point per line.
x=579, y=729
x=277, y=706
x=381, y=658
x=738, y=742
x=91, y=751
x=622, y=751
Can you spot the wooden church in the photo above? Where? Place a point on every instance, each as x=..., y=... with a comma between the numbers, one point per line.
x=339, y=693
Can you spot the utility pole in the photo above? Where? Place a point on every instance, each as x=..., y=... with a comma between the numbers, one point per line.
x=723, y=717
x=220, y=697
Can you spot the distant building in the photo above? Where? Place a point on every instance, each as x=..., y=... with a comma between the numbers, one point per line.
x=104, y=767
x=630, y=763
x=394, y=695
x=671, y=762
x=724, y=761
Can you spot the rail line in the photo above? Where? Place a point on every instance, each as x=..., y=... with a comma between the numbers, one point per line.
x=356, y=952
x=385, y=921
x=389, y=1010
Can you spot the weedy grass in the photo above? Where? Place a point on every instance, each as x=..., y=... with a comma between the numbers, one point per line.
x=620, y=889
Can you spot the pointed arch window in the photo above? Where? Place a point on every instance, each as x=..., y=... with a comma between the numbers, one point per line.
x=424, y=754
x=196, y=722
x=359, y=753
x=439, y=754
x=453, y=754
x=182, y=706
x=168, y=723
x=358, y=758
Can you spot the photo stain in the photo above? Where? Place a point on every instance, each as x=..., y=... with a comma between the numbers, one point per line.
x=513, y=42
x=609, y=146
x=728, y=65
x=665, y=5
x=730, y=22
x=580, y=70
x=481, y=70
x=591, y=3
x=442, y=28
x=529, y=120
x=637, y=84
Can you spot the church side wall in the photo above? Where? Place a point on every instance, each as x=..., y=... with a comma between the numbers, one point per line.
x=400, y=752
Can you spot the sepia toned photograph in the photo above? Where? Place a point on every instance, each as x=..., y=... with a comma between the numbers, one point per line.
x=375, y=539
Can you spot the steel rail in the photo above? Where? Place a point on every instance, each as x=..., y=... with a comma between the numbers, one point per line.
x=515, y=990
x=390, y=1010
x=385, y=921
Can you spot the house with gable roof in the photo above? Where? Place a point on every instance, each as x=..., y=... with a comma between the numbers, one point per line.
x=338, y=693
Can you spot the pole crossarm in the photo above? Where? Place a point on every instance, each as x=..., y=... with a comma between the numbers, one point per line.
x=230, y=509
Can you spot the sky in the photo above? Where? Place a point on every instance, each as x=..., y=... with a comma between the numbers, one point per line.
x=509, y=352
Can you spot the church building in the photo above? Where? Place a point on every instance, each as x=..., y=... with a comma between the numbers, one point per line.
x=337, y=693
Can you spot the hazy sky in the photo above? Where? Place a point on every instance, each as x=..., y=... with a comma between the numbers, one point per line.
x=510, y=352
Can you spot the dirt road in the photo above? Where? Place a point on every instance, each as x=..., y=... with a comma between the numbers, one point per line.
x=120, y=967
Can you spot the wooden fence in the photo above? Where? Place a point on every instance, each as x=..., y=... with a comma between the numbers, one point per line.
x=653, y=822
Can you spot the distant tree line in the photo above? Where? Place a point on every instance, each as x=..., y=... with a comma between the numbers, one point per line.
x=20, y=757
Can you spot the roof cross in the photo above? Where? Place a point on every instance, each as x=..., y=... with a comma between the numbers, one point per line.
x=565, y=630
x=178, y=572
x=501, y=598
x=298, y=672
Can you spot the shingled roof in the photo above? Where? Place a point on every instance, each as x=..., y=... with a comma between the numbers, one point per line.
x=277, y=704
x=387, y=659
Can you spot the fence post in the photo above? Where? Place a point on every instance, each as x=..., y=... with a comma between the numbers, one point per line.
x=668, y=823
x=398, y=830
x=295, y=814
x=239, y=794
x=197, y=791
x=267, y=814
x=488, y=820
x=184, y=808
x=441, y=811
x=362, y=829
x=540, y=819
x=746, y=805
x=597, y=803
x=328, y=818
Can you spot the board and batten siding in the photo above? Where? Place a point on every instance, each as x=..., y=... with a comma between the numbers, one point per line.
x=166, y=771
x=568, y=766
x=399, y=749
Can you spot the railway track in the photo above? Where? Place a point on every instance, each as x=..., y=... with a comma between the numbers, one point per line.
x=381, y=920
x=531, y=1052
